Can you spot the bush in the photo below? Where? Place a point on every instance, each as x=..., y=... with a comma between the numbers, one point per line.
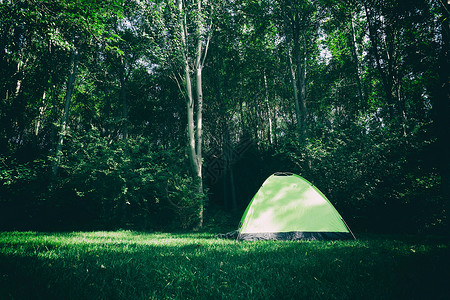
x=101, y=184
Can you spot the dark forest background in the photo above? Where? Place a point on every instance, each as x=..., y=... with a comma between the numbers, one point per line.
x=164, y=115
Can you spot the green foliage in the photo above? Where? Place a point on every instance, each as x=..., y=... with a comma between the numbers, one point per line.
x=368, y=172
x=135, y=265
x=23, y=191
x=132, y=184
x=376, y=110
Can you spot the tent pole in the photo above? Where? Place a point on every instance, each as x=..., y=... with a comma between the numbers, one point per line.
x=348, y=228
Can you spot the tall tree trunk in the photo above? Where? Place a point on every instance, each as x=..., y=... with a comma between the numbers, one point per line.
x=19, y=81
x=54, y=115
x=199, y=138
x=382, y=72
x=65, y=117
x=298, y=78
x=269, y=115
x=301, y=77
x=123, y=100
x=194, y=128
x=443, y=108
x=298, y=75
x=356, y=60
x=38, y=120
x=295, y=92
x=292, y=75
x=386, y=59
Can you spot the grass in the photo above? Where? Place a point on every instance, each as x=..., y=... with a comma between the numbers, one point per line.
x=134, y=265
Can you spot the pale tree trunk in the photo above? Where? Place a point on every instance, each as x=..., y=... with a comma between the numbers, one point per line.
x=269, y=115
x=386, y=59
x=356, y=60
x=54, y=114
x=300, y=60
x=298, y=75
x=123, y=99
x=373, y=40
x=301, y=70
x=295, y=92
x=288, y=25
x=301, y=77
x=123, y=79
x=443, y=109
x=194, y=127
x=38, y=120
x=275, y=122
x=383, y=70
x=298, y=31
x=65, y=117
x=19, y=81
x=199, y=138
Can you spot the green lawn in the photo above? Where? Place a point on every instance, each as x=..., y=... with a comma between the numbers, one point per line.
x=134, y=265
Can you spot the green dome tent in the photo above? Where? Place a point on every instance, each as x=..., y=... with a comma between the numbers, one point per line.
x=288, y=207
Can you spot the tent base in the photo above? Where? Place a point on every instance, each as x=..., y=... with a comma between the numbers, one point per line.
x=295, y=235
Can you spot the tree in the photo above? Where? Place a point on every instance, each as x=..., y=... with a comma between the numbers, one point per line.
x=184, y=33
x=300, y=32
x=442, y=103
x=85, y=24
x=195, y=130
x=68, y=98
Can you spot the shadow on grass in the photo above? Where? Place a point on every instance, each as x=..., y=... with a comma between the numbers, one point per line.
x=133, y=265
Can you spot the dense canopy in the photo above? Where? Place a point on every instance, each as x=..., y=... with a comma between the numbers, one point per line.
x=170, y=114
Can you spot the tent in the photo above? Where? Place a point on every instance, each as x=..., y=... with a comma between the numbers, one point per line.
x=288, y=207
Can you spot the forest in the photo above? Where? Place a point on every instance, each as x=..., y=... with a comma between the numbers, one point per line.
x=170, y=114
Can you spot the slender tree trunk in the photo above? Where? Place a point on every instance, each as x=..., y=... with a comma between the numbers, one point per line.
x=386, y=61
x=199, y=139
x=38, y=120
x=300, y=61
x=274, y=123
x=19, y=81
x=123, y=97
x=298, y=76
x=189, y=95
x=374, y=41
x=356, y=61
x=269, y=115
x=65, y=117
x=443, y=109
x=190, y=119
x=295, y=92
x=289, y=30
x=124, y=101
x=194, y=128
x=301, y=77
x=54, y=114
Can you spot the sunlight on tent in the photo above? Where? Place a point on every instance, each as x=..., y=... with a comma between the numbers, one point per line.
x=311, y=198
x=291, y=204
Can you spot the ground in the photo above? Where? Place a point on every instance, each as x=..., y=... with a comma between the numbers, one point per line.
x=137, y=265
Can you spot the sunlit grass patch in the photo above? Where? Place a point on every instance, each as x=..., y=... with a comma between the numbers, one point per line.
x=136, y=265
